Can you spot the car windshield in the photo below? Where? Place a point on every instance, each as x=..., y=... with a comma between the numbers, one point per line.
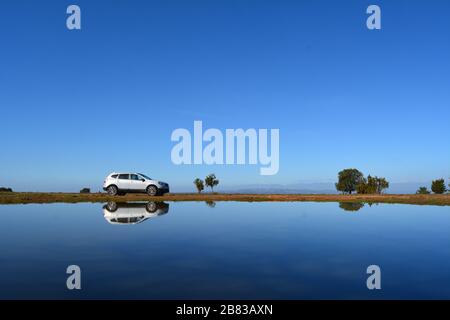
x=144, y=176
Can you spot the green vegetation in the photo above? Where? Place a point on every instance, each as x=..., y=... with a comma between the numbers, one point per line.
x=211, y=181
x=419, y=199
x=85, y=190
x=372, y=185
x=210, y=203
x=348, y=180
x=422, y=190
x=438, y=186
x=351, y=206
x=369, y=192
x=199, y=185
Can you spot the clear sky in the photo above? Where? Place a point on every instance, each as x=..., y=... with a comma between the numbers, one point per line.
x=76, y=105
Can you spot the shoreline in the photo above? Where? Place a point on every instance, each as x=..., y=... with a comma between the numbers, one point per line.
x=41, y=197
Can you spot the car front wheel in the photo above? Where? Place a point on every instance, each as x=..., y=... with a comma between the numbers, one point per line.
x=152, y=191
x=112, y=190
x=111, y=206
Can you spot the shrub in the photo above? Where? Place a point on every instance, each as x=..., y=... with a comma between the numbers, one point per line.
x=211, y=181
x=438, y=186
x=372, y=185
x=422, y=190
x=199, y=185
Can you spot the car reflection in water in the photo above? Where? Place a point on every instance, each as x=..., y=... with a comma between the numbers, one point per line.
x=133, y=212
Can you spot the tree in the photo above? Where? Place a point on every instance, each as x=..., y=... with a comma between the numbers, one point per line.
x=367, y=186
x=422, y=190
x=348, y=179
x=372, y=185
x=199, y=185
x=211, y=181
x=382, y=184
x=438, y=186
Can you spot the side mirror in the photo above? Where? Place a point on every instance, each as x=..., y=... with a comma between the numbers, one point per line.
x=143, y=180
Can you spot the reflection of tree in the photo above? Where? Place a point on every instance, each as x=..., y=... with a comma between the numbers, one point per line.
x=351, y=206
x=210, y=203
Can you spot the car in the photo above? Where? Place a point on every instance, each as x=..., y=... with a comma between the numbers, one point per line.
x=128, y=213
x=118, y=183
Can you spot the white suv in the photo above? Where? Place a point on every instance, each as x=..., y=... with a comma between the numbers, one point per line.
x=121, y=183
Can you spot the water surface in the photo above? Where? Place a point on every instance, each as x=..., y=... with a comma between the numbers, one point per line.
x=224, y=250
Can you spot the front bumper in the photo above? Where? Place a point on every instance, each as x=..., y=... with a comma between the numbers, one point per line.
x=163, y=190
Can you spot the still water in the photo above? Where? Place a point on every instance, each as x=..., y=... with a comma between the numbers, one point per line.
x=224, y=250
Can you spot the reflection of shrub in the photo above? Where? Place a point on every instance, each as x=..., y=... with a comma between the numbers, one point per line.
x=210, y=203
x=5, y=189
x=351, y=206
x=85, y=190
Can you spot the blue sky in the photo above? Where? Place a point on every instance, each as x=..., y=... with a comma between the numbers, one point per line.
x=76, y=105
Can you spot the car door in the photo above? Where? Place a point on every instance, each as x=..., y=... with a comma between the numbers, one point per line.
x=136, y=182
x=124, y=182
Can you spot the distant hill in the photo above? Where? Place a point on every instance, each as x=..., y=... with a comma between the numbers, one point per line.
x=296, y=188
x=306, y=188
x=310, y=188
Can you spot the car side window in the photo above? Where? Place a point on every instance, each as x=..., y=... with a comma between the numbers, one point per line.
x=124, y=176
x=114, y=176
x=134, y=177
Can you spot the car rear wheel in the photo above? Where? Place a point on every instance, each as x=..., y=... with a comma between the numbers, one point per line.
x=151, y=207
x=112, y=190
x=152, y=191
